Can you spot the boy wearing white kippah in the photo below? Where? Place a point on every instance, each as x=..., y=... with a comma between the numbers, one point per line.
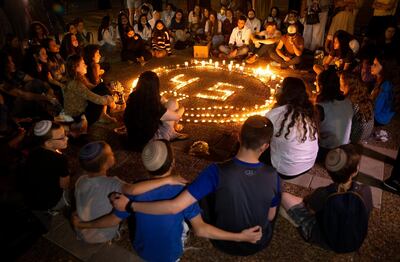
x=334, y=217
x=161, y=237
x=47, y=173
x=94, y=186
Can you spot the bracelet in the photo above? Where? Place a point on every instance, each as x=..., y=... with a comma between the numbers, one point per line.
x=128, y=207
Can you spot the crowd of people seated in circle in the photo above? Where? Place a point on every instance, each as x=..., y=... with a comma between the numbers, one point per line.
x=52, y=91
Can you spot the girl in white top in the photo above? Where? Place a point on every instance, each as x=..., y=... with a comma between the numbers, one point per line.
x=294, y=144
x=194, y=19
x=106, y=34
x=143, y=28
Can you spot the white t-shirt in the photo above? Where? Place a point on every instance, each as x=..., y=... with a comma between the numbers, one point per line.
x=92, y=202
x=254, y=25
x=240, y=37
x=145, y=34
x=289, y=156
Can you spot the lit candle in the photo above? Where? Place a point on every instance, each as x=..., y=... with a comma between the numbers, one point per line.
x=196, y=62
x=210, y=61
x=216, y=64
x=230, y=67
x=241, y=68
x=237, y=66
x=186, y=64
x=203, y=63
x=223, y=62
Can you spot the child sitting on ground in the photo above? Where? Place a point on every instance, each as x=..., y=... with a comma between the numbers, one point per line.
x=47, y=175
x=92, y=189
x=161, y=237
x=334, y=217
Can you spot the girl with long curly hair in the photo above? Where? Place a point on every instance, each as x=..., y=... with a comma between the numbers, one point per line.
x=294, y=144
x=363, y=120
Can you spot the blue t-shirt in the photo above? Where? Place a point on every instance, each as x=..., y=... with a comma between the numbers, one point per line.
x=158, y=237
x=208, y=180
x=384, y=109
x=238, y=195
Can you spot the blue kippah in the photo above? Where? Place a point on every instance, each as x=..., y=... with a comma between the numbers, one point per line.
x=91, y=151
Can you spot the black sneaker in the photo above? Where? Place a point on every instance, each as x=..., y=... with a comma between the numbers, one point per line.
x=392, y=184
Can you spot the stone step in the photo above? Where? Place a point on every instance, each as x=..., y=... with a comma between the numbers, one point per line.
x=62, y=234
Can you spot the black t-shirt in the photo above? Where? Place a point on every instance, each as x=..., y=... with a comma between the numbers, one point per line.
x=42, y=178
x=243, y=194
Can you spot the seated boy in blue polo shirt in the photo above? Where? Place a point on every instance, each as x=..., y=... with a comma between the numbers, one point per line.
x=159, y=237
x=246, y=191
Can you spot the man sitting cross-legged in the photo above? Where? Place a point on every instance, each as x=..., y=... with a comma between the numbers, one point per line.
x=265, y=42
x=239, y=40
x=290, y=48
x=246, y=191
x=160, y=238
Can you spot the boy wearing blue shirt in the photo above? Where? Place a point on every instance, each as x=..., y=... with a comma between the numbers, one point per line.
x=158, y=237
x=246, y=192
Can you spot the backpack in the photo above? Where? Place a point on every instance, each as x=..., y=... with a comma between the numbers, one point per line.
x=344, y=220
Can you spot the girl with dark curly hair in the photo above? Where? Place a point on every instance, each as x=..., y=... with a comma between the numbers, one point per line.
x=294, y=144
x=386, y=72
x=363, y=120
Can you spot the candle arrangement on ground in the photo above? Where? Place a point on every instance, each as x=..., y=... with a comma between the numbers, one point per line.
x=218, y=91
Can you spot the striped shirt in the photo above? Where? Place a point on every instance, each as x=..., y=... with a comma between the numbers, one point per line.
x=161, y=42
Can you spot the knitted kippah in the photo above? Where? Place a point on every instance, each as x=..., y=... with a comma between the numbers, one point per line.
x=154, y=155
x=91, y=151
x=335, y=160
x=42, y=127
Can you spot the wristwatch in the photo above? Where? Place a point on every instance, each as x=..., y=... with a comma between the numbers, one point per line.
x=128, y=207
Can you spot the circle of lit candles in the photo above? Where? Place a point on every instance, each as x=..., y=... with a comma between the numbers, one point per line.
x=264, y=75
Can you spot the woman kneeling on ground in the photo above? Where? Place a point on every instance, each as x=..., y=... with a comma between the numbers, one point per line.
x=146, y=117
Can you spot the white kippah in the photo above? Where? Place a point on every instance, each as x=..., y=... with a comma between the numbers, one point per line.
x=335, y=160
x=154, y=155
x=292, y=29
x=42, y=127
x=354, y=46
